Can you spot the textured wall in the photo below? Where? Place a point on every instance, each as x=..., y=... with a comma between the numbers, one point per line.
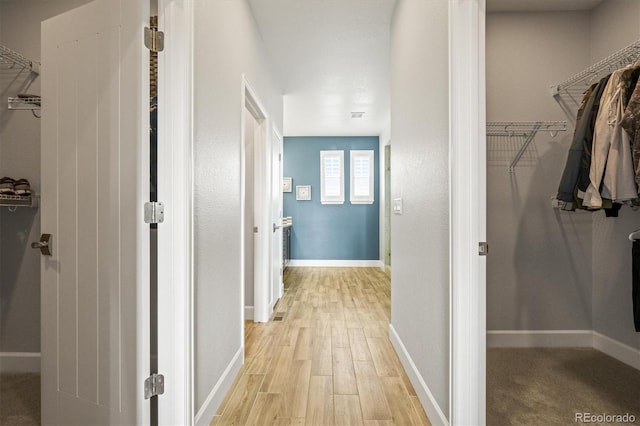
x=420, y=176
x=330, y=232
x=539, y=269
x=227, y=45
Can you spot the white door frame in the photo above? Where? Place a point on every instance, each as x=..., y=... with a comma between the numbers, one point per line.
x=262, y=203
x=276, y=194
x=175, y=234
x=467, y=211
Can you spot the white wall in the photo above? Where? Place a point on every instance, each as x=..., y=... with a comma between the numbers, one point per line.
x=20, y=158
x=614, y=25
x=539, y=267
x=227, y=44
x=419, y=163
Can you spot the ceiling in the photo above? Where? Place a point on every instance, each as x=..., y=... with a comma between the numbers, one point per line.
x=332, y=59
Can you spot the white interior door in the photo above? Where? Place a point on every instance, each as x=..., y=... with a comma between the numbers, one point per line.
x=95, y=176
x=276, y=216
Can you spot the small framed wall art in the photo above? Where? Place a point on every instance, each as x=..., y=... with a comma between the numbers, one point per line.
x=303, y=192
x=286, y=184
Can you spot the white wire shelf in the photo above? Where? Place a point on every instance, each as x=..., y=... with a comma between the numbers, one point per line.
x=527, y=130
x=18, y=201
x=15, y=59
x=568, y=94
x=25, y=103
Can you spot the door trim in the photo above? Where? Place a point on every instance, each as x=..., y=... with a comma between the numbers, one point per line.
x=175, y=235
x=467, y=168
x=262, y=203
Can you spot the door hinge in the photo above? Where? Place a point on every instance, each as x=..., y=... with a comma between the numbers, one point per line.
x=153, y=385
x=153, y=212
x=279, y=157
x=153, y=39
x=483, y=248
x=255, y=229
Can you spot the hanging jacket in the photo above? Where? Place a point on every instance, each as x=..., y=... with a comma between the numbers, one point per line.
x=587, y=139
x=581, y=138
x=631, y=123
x=611, y=163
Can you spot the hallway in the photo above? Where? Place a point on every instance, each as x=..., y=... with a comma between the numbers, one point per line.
x=324, y=358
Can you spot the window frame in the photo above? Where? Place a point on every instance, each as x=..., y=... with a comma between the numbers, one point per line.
x=359, y=199
x=331, y=199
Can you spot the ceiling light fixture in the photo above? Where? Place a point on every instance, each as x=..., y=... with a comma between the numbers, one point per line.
x=357, y=114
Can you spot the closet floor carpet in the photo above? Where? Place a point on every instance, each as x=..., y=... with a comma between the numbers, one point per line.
x=548, y=386
x=19, y=399
x=325, y=357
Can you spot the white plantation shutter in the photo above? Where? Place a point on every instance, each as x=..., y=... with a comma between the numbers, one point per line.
x=362, y=177
x=332, y=177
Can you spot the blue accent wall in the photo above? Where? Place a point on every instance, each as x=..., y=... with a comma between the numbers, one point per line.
x=325, y=231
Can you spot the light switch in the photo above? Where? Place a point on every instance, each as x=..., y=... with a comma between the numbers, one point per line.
x=397, y=206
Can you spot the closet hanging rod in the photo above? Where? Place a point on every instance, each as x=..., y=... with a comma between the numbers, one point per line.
x=623, y=57
x=13, y=58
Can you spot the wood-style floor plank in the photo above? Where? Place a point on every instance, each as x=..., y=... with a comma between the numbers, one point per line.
x=266, y=409
x=328, y=361
x=372, y=397
x=241, y=402
x=344, y=376
x=399, y=401
x=320, y=402
x=347, y=410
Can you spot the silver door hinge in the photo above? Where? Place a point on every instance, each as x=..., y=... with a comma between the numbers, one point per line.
x=483, y=248
x=279, y=157
x=153, y=212
x=153, y=39
x=153, y=385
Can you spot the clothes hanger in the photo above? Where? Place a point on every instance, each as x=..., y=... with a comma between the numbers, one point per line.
x=635, y=235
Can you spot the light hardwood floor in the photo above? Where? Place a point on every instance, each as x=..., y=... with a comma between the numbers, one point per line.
x=328, y=361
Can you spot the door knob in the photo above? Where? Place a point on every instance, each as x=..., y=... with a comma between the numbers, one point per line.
x=44, y=244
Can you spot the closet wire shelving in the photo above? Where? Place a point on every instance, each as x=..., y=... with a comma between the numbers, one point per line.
x=527, y=130
x=570, y=92
x=15, y=60
x=14, y=201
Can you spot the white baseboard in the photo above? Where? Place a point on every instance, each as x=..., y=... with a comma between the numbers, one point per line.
x=539, y=338
x=19, y=362
x=336, y=263
x=208, y=410
x=617, y=350
x=248, y=313
x=431, y=407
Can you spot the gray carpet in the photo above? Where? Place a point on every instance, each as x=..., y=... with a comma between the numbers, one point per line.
x=545, y=386
x=19, y=399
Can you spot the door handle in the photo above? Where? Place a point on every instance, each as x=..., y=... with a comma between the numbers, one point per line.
x=44, y=245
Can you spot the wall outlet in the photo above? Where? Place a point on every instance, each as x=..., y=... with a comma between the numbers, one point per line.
x=397, y=206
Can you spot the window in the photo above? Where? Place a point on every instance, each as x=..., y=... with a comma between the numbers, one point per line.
x=332, y=177
x=361, y=177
